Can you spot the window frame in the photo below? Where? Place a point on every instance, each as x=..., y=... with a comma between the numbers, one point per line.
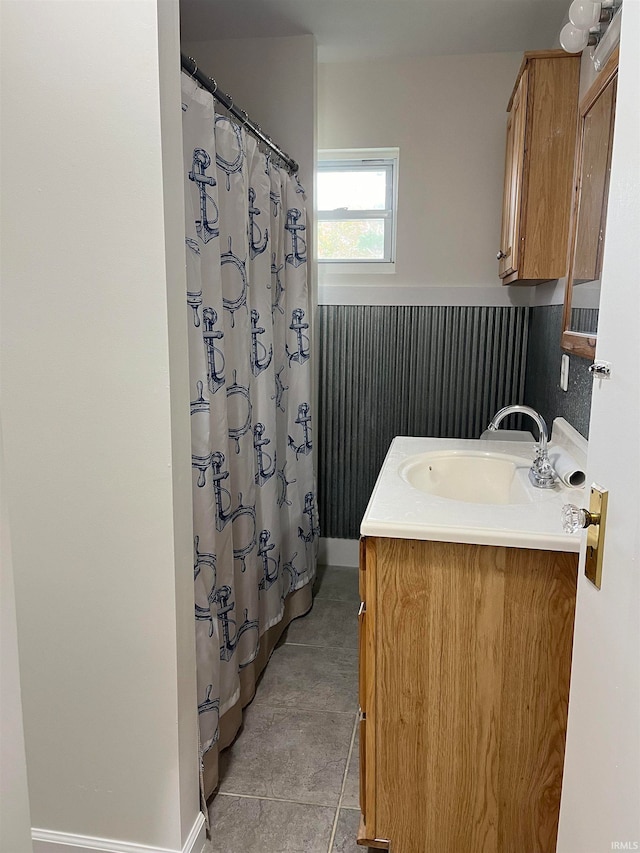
x=364, y=160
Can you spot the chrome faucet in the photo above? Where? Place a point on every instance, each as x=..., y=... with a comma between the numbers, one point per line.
x=541, y=473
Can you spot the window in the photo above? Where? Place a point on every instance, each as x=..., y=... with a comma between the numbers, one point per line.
x=356, y=194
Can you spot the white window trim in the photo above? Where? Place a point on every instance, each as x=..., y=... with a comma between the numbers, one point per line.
x=329, y=268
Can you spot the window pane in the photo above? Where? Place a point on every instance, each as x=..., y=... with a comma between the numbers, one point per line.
x=351, y=240
x=353, y=190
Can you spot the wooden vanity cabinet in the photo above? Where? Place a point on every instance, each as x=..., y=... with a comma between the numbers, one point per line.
x=465, y=655
x=539, y=162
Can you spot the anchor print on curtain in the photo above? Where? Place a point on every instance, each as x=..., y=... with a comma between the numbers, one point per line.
x=255, y=517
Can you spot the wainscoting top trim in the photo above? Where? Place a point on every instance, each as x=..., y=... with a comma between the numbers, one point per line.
x=389, y=293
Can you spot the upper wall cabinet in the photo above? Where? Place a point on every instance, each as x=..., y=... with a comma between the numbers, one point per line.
x=593, y=168
x=541, y=138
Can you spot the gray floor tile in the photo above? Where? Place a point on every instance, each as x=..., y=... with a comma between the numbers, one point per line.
x=351, y=795
x=309, y=677
x=244, y=825
x=338, y=583
x=288, y=754
x=347, y=830
x=330, y=623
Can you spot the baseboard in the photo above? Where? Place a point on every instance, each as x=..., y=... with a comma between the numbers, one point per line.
x=46, y=841
x=339, y=552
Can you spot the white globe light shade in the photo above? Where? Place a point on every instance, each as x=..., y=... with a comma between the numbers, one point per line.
x=584, y=14
x=572, y=39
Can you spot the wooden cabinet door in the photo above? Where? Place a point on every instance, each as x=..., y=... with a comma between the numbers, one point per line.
x=473, y=658
x=594, y=169
x=513, y=178
x=367, y=693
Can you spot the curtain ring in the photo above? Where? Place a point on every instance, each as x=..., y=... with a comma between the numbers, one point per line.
x=245, y=120
x=192, y=73
x=215, y=85
x=276, y=155
x=230, y=99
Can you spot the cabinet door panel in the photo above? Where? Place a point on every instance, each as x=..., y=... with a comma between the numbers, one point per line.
x=362, y=633
x=539, y=609
x=439, y=647
x=541, y=133
x=363, y=767
x=552, y=124
x=473, y=656
x=510, y=239
x=362, y=658
x=368, y=683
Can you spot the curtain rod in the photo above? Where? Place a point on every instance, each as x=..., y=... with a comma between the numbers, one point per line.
x=191, y=67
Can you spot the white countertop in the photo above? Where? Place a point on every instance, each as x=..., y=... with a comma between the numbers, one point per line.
x=399, y=510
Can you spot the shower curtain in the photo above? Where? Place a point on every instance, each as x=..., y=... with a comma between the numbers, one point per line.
x=255, y=517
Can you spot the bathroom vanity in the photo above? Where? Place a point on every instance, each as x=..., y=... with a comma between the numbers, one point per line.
x=466, y=629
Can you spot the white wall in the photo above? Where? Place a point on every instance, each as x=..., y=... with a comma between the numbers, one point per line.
x=95, y=409
x=176, y=318
x=15, y=821
x=447, y=115
x=601, y=788
x=274, y=80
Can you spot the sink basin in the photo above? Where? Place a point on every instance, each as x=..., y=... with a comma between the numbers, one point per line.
x=467, y=490
x=479, y=477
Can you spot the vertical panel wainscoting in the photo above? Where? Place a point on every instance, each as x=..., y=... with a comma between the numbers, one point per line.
x=406, y=370
x=542, y=386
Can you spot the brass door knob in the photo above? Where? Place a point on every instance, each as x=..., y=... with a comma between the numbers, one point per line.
x=595, y=520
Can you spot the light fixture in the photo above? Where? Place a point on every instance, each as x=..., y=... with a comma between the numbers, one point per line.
x=574, y=40
x=585, y=14
x=588, y=22
x=608, y=41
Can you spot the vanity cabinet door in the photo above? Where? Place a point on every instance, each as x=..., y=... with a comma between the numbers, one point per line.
x=468, y=658
x=362, y=632
x=365, y=683
x=370, y=613
x=363, y=766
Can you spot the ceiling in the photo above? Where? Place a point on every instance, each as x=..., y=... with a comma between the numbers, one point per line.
x=348, y=30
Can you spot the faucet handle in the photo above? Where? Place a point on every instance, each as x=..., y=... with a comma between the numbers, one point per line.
x=542, y=473
x=575, y=518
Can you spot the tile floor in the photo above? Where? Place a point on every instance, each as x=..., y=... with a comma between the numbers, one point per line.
x=289, y=784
